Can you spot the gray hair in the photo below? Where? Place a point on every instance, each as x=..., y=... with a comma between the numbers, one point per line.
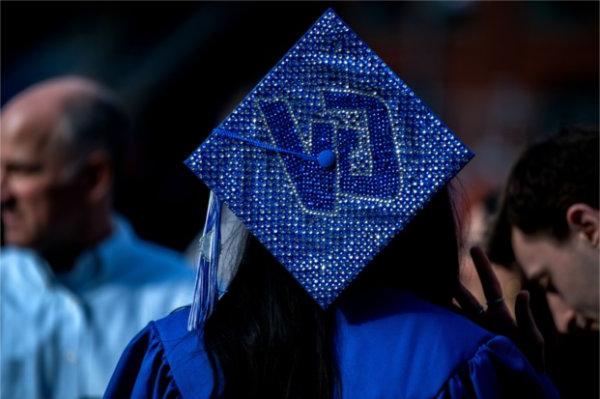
x=96, y=120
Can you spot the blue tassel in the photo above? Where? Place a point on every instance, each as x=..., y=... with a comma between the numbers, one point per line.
x=206, y=293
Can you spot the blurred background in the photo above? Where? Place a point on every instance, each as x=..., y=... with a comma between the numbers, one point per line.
x=500, y=74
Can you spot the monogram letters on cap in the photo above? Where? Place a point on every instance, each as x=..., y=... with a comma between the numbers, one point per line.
x=328, y=158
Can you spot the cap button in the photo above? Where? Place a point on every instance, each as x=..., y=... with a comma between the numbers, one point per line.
x=326, y=159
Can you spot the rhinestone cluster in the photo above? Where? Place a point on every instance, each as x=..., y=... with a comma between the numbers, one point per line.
x=330, y=92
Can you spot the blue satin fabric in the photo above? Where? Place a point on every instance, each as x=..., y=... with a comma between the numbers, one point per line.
x=407, y=348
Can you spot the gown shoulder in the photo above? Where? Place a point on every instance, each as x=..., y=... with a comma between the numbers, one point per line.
x=407, y=349
x=163, y=361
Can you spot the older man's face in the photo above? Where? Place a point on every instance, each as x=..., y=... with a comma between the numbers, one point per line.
x=38, y=193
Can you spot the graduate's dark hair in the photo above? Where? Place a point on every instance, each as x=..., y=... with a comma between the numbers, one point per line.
x=268, y=339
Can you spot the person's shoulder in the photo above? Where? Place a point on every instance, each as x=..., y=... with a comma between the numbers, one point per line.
x=184, y=351
x=148, y=257
x=398, y=319
x=421, y=344
x=163, y=332
x=394, y=311
x=21, y=268
x=174, y=325
x=427, y=351
x=158, y=254
x=14, y=255
x=177, y=340
x=165, y=359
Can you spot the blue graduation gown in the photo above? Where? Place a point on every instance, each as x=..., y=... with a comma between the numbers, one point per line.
x=391, y=345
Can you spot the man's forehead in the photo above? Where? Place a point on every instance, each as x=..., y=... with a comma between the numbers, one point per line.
x=531, y=251
x=520, y=242
x=29, y=126
x=32, y=134
x=39, y=109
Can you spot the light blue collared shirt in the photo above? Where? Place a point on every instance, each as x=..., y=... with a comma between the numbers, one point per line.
x=62, y=335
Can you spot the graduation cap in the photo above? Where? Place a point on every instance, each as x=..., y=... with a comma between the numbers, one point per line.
x=324, y=161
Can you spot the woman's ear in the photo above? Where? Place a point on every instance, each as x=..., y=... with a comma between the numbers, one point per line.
x=583, y=219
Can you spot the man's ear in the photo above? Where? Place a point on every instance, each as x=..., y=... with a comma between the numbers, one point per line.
x=583, y=219
x=97, y=176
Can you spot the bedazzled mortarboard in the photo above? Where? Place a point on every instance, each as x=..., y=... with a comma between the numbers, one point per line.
x=324, y=161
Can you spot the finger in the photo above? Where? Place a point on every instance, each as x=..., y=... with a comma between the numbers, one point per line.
x=492, y=290
x=468, y=302
x=525, y=319
x=528, y=329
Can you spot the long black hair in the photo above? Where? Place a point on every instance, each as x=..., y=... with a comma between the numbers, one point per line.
x=268, y=339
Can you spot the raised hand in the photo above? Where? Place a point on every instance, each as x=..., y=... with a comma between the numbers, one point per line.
x=496, y=317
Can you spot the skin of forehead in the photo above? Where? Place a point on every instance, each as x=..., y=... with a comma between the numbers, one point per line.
x=37, y=113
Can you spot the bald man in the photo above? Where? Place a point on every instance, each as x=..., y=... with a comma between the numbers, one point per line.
x=77, y=284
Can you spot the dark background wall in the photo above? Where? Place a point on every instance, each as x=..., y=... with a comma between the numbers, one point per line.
x=499, y=73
